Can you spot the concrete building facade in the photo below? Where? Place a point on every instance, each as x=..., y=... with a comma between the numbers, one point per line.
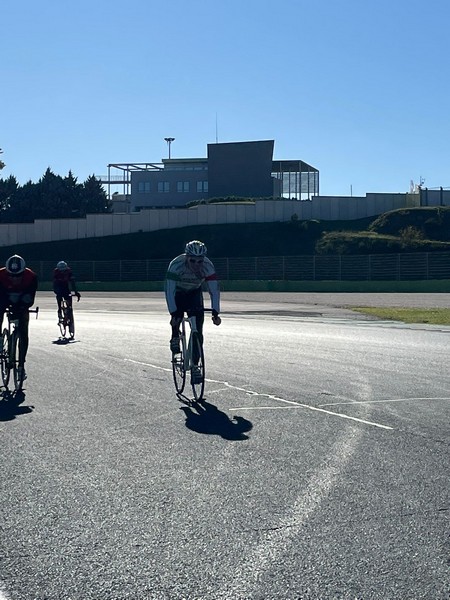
x=235, y=169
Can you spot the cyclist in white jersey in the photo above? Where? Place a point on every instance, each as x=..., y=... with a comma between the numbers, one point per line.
x=183, y=288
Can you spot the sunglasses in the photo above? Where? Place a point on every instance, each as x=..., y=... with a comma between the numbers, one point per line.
x=196, y=260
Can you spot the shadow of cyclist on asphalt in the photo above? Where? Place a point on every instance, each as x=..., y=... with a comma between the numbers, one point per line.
x=204, y=417
x=11, y=405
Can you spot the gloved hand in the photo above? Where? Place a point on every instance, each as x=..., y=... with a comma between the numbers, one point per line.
x=215, y=317
x=78, y=295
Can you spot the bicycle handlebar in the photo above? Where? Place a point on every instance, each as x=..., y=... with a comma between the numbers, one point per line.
x=10, y=311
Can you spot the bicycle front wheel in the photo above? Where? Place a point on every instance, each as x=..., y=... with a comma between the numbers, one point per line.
x=5, y=365
x=62, y=323
x=72, y=327
x=17, y=372
x=178, y=370
x=197, y=370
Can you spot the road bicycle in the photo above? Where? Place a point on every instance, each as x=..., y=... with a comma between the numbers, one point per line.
x=190, y=358
x=66, y=322
x=9, y=351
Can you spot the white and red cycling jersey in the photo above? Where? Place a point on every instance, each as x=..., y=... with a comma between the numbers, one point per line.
x=187, y=274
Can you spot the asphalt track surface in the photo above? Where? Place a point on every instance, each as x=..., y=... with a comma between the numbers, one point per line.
x=345, y=299
x=316, y=468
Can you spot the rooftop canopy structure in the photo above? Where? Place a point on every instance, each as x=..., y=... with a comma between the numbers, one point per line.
x=234, y=169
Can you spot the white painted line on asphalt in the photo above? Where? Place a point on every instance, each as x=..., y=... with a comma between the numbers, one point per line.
x=139, y=362
x=271, y=544
x=294, y=404
x=299, y=405
x=271, y=397
x=381, y=401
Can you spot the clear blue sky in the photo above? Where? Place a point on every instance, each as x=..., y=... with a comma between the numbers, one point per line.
x=359, y=89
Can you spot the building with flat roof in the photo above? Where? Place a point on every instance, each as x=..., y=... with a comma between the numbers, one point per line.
x=232, y=169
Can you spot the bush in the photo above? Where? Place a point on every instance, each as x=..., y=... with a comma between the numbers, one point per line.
x=411, y=236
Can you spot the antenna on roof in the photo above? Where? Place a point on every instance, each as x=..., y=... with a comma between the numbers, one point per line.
x=217, y=136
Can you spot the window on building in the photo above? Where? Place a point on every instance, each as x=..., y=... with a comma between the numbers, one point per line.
x=182, y=186
x=163, y=186
x=143, y=187
x=202, y=186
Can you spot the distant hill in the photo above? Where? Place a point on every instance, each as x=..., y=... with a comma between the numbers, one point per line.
x=432, y=222
x=404, y=230
x=425, y=229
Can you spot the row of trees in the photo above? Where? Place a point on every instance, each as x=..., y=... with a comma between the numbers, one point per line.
x=52, y=197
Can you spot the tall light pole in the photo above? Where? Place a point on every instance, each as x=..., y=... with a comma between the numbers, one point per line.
x=169, y=140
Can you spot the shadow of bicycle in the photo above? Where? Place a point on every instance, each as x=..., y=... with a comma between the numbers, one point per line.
x=11, y=405
x=204, y=417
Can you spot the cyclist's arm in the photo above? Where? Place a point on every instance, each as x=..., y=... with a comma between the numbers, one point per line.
x=170, y=286
x=212, y=284
x=29, y=292
x=214, y=292
x=73, y=284
x=4, y=298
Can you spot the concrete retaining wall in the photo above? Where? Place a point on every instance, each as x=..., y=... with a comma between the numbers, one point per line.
x=261, y=211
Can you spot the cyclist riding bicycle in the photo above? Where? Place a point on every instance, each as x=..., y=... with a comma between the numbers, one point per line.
x=183, y=289
x=18, y=286
x=63, y=282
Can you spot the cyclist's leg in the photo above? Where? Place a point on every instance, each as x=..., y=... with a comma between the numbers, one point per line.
x=176, y=320
x=177, y=348
x=195, y=309
x=2, y=314
x=24, y=320
x=58, y=302
x=4, y=348
x=68, y=299
x=175, y=323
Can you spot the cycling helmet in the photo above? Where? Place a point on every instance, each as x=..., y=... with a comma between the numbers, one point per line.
x=15, y=265
x=62, y=265
x=195, y=248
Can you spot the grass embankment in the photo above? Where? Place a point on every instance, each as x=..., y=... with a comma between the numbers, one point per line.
x=432, y=316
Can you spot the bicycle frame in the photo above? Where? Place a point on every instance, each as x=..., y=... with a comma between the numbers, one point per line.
x=187, y=345
x=9, y=355
x=67, y=323
x=191, y=355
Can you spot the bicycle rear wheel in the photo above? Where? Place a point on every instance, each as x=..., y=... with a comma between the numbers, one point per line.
x=198, y=370
x=178, y=370
x=4, y=358
x=17, y=372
